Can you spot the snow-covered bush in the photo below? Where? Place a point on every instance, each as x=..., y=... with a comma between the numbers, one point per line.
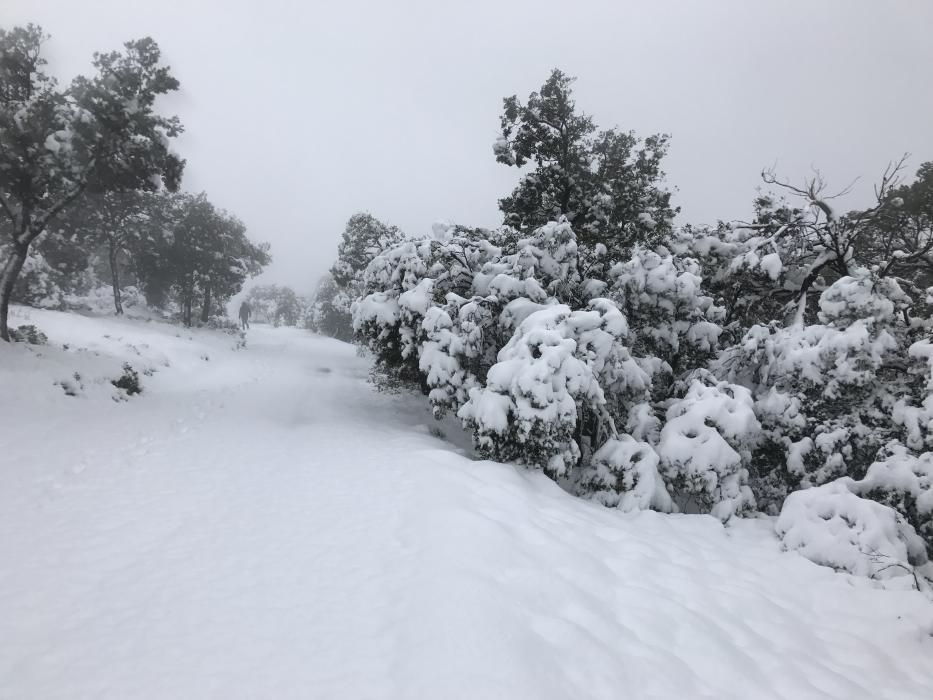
x=904, y=482
x=328, y=313
x=128, y=382
x=624, y=473
x=718, y=372
x=670, y=316
x=558, y=388
x=28, y=334
x=743, y=270
x=460, y=347
x=833, y=526
x=378, y=318
x=528, y=410
x=459, y=272
x=544, y=267
x=913, y=414
x=829, y=394
x=705, y=447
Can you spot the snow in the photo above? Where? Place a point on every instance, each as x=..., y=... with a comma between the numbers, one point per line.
x=52, y=144
x=831, y=525
x=261, y=523
x=698, y=446
x=772, y=266
x=635, y=463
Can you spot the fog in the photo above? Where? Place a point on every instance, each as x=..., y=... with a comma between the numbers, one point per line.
x=298, y=114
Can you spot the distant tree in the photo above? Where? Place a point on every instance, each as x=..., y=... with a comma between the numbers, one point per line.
x=231, y=258
x=607, y=183
x=100, y=134
x=197, y=254
x=278, y=305
x=290, y=308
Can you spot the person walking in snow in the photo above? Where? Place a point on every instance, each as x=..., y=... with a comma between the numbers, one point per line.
x=244, y=315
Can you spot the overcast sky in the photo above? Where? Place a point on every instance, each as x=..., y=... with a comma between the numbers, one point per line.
x=298, y=114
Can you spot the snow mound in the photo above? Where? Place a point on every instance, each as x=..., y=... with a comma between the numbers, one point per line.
x=834, y=527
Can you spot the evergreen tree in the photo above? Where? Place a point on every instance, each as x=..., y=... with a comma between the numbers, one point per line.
x=607, y=183
x=195, y=253
x=101, y=133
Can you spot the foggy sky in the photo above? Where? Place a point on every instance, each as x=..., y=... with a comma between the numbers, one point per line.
x=298, y=114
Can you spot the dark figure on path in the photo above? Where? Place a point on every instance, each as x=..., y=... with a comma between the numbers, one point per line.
x=244, y=315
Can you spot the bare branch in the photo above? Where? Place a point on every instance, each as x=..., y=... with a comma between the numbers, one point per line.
x=891, y=177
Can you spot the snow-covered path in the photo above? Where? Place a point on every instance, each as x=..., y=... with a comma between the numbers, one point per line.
x=262, y=524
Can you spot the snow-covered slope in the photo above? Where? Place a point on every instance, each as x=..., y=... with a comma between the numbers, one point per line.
x=260, y=524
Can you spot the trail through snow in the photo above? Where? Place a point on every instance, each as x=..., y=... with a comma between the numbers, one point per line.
x=262, y=524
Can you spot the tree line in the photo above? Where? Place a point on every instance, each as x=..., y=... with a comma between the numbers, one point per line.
x=780, y=364
x=89, y=188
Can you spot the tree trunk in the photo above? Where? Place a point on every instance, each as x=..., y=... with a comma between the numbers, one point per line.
x=206, y=306
x=11, y=270
x=115, y=276
x=187, y=296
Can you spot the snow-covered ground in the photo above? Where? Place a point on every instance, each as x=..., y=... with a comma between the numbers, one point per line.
x=259, y=523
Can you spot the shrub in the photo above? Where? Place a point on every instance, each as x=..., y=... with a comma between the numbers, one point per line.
x=832, y=526
x=903, y=482
x=28, y=334
x=624, y=473
x=128, y=381
x=705, y=446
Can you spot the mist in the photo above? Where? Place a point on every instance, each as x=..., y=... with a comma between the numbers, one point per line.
x=299, y=114
x=402, y=373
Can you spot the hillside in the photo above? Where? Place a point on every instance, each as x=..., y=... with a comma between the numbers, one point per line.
x=259, y=522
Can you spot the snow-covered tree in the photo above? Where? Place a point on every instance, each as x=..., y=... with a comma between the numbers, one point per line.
x=363, y=239
x=101, y=133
